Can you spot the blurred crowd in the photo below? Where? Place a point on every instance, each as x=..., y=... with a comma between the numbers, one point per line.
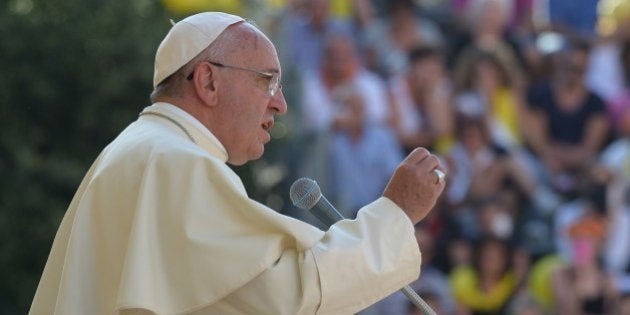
x=528, y=104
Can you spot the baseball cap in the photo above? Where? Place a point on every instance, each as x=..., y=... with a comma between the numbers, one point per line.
x=186, y=39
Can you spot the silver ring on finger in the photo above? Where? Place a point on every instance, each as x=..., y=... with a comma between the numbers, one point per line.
x=440, y=176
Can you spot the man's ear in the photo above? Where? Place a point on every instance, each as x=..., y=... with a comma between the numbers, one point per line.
x=205, y=82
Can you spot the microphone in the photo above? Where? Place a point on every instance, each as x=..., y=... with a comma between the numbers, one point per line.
x=306, y=194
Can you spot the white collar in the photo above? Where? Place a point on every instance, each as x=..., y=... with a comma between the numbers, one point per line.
x=193, y=127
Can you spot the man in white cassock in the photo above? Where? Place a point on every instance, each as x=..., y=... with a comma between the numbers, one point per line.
x=161, y=225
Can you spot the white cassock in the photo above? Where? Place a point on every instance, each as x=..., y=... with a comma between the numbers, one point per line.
x=161, y=225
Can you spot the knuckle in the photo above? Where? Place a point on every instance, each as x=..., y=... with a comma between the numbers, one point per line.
x=433, y=159
x=422, y=151
x=407, y=167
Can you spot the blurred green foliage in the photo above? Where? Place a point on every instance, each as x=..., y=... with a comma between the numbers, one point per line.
x=74, y=73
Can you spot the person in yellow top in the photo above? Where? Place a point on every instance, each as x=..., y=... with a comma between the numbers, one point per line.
x=487, y=286
x=488, y=84
x=161, y=225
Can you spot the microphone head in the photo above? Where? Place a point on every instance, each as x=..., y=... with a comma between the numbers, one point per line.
x=305, y=193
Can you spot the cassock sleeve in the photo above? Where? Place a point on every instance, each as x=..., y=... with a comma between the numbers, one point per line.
x=357, y=263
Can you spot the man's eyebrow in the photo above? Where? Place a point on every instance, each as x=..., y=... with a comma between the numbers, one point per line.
x=271, y=70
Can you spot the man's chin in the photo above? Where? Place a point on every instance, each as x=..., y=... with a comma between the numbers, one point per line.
x=258, y=155
x=252, y=157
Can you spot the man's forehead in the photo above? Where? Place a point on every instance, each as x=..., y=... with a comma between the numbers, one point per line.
x=250, y=35
x=256, y=47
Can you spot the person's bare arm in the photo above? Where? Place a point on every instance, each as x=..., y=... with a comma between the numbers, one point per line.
x=537, y=133
x=595, y=135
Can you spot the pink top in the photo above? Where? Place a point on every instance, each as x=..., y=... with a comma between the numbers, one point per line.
x=618, y=106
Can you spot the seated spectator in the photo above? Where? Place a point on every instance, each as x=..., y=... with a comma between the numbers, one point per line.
x=582, y=286
x=421, y=102
x=476, y=164
x=352, y=152
x=569, y=124
x=487, y=286
x=479, y=169
x=591, y=202
x=487, y=84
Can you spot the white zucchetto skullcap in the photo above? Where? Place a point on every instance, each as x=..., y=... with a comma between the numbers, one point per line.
x=186, y=39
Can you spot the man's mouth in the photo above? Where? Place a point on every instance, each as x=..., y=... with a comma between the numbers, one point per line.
x=268, y=125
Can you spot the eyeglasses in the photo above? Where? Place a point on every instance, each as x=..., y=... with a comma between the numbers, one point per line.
x=273, y=77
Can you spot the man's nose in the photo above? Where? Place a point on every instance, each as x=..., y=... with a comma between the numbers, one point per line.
x=278, y=103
